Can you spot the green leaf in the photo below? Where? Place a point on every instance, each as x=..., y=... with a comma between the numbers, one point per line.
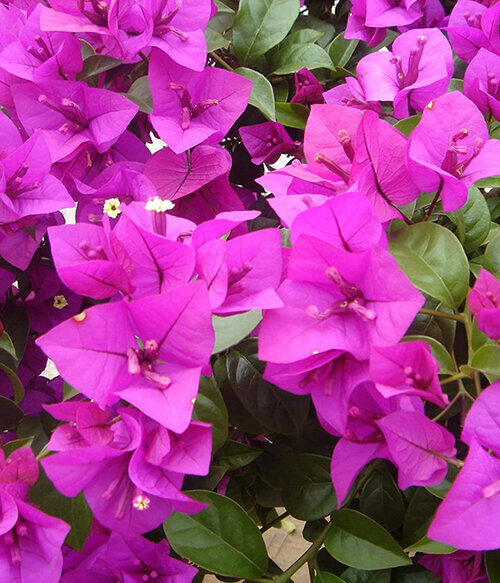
x=140, y=94
x=382, y=500
x=492, y=256
x=418, y=515
x=11, y=446
x=260, y=25
x=274, y=408
x=431, y=547
x=7, y=344
x=325, y=577
x=492, y=561
x=292, y=115
x=15, y=382
x=68, y=391
x=300, y=36
x=356, y=576
x=487, y=359
x=433, y=259
x=234, y=455
x=407, y=125
x=95, y=64
x=456, y=85
x=215, y=40
x=210, y=408
x=472, y=220
x=293, y=58
x=438, y=351
x=440, y=490
x=15, y=322
x=308, y=493
x=341, y=50
x=221, y=538
x=87, y=49
x=229, y=330
x=262, y=95
x=10, y=414
x=307, y=21
x=358, y=541
x=74, y=511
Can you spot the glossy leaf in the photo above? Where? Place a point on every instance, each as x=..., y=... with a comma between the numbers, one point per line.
x=382, y=500
x=15, y=382
x=7, y=344
x=431, y=547
x=293, y=58
x=325, y=577
x=358, y=541
x=487, y=359
x=230, y=330
x=492, y=562
x=292, y=115
x=220, y=538
x=210, y=408
x=234, y=455
x=341, y=50
x=95, y=64
x=260, y=25
x=492, y=256
x=10, y=414
x=433, y=259
x=472, y=220
x=262, y=95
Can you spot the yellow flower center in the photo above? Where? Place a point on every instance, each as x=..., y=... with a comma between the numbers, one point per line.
x=60, y=302
x=141, y=502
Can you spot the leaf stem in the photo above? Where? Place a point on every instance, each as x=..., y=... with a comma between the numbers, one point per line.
x=448, y=407
x=434, y=201
x=303, y=559
x=453, y=378
x=438, y=314
x=221, y=61
x=273, y=522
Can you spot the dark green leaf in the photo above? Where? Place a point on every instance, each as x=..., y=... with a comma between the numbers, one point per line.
x=11, y=446
x=15, y=321
x=413, y=576
x=15, y=382
x=210, y=408
x=140, y=94
x=292, y=115
x=325, y=577
x=260, y=25
x=358, y=541
x=7, y=344
x=262, y=95
x=10, y=414
x=382, y=500
x=440, y=490
x=68, y=391
x=407, y=125
x=234, y=455
x=308, y=493
x=95, y=64
x=433, y=259
x=313, y=528
x=431, y=547
x=439, y=352
x=230, y=330
x=278, y=410
x=492, y=561
x=356, y=576
x=221, y=538
x=472, y=220
x=308, y=21
x=293, y=58
x=492, y=256
x=418, y=515
x=341, y=50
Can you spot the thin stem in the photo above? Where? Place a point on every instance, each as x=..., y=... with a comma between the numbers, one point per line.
x=302, y=560
x=469, y=331
x=273, y=522
x=453, y=378
x=221, y=61
x=434, y=201
x=448, y=407
x=311, y=571
x=438, y=314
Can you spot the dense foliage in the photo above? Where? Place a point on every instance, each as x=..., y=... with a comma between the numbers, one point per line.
x=250, y=262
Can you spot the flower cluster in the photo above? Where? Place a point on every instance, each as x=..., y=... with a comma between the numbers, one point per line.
x=199, y=237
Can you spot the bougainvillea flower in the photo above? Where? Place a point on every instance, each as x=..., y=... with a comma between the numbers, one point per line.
x=481, y=82
x=308, y=89
x=130, y=559
x=222, y=224
x=26, y=187
x=336, y=300
x=449, y=149
x=30, y=541
x=95, y=454
x=189, y=107
x=39, y=56
x=329, y=377
x=91, y=261
x=350, y=94
x=369, y=19
x=459, y=567
x=266, y=141
x=335, y=223
x=152, y=362
x=242, y=273
x=433, y=16
x=176, y=175
x=418, y=447
x=484, y=303
x=71, y=114
x=467, y=518
x=482, y=423
x=417, y=70
x=470, y=28
x=407, y=368
x=379, y=167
